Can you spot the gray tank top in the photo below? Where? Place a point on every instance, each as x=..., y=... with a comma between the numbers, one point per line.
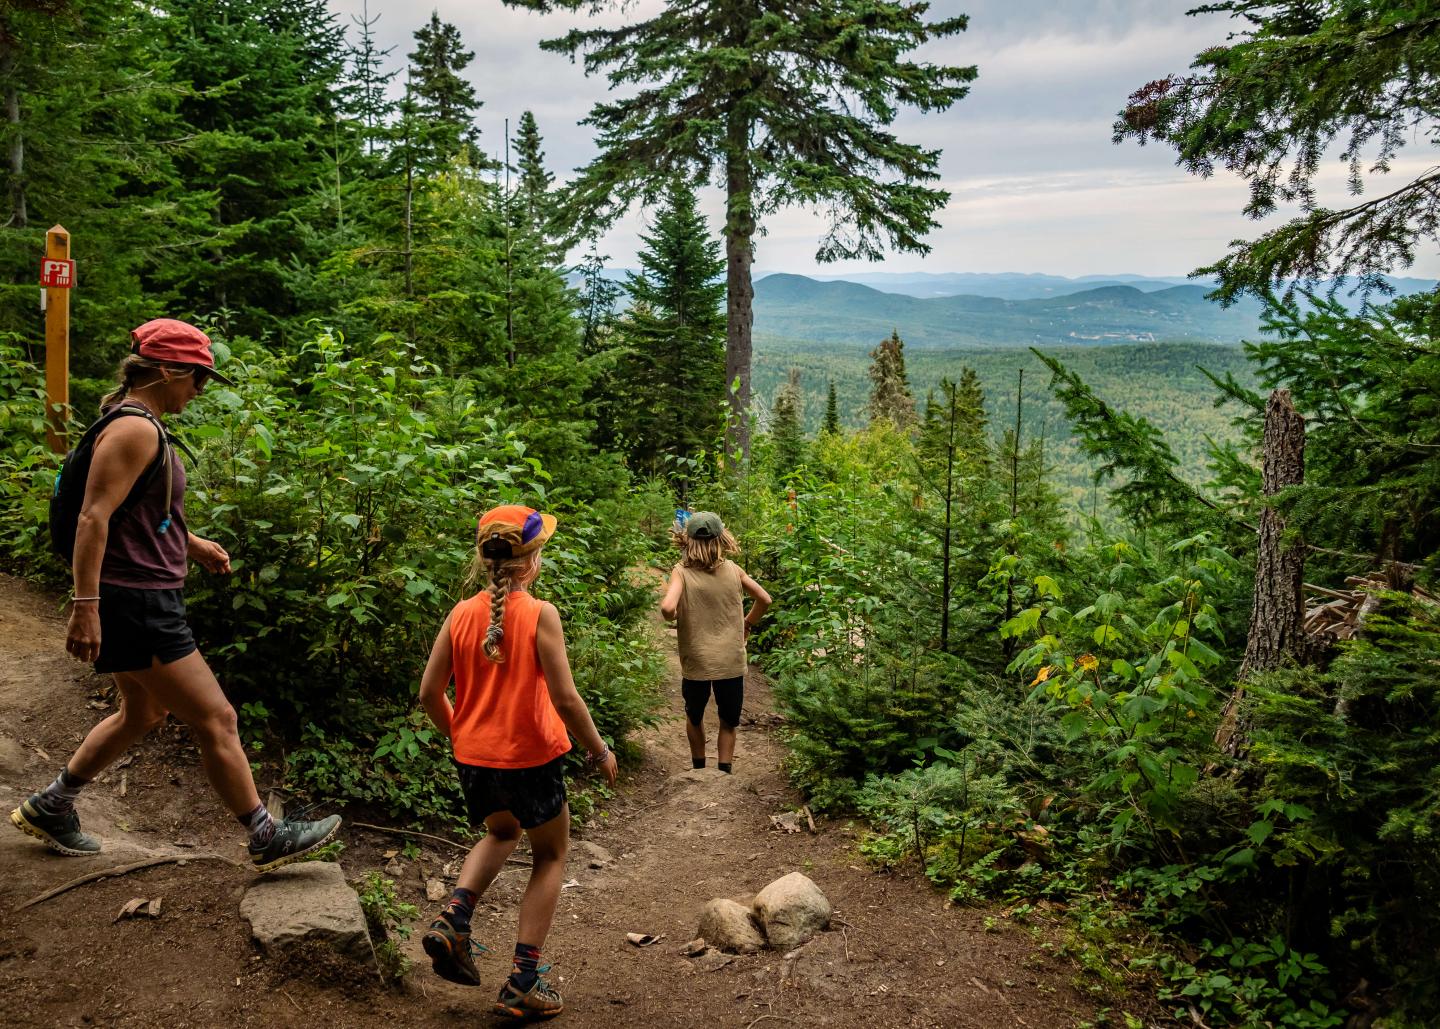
x=710, y=625
x=137, y=553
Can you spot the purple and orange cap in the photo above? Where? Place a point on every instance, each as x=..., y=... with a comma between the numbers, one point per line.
x=513, y=530
x=169, y=339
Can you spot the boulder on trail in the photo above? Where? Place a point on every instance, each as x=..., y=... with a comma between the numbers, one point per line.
x=727, y=925
x=791, y=910
x=304, y=904
x=596, y=856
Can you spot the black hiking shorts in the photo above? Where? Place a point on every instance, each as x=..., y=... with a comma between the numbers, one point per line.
x=138, y=627
x=533, y=795
x=729, y=699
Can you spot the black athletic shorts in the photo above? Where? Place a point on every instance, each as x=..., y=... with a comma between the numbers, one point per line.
x=139, y=626
x=729, y=698
x=533, y=795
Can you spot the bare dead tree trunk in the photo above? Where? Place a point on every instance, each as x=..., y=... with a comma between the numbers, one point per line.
x=1277, y=633
x=740, y=291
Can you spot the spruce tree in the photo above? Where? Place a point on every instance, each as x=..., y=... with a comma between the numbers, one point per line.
x=444, y=103
x=672, y=385
x=533, y=189
x=264, y=147
x=369, y=83
x=786, y=433
x=831, y=424
x=782, y=105
x=890, y=396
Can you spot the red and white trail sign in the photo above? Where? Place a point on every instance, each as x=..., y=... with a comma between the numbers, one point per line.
x=57, y=274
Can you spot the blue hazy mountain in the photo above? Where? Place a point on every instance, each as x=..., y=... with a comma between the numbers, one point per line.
x=794, y=307
x=1021, y=286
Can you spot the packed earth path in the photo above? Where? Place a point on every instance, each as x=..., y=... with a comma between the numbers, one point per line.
x=676, y=837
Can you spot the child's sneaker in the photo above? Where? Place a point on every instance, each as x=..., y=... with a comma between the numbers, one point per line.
x=452, y=953
x=540, y=1001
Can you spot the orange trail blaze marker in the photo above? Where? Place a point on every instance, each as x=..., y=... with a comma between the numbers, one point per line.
x=57, y=275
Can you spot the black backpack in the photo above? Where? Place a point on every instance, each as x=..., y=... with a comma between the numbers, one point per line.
x=68, y=496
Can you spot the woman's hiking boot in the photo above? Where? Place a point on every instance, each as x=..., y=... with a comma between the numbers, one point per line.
x=59, y=832
x=293, y=840
x=540, y=1001
x=452, y=953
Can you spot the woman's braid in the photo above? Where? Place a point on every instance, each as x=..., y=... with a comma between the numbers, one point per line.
x=499, y=588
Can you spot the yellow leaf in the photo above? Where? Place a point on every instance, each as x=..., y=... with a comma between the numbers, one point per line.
x=1089, y=662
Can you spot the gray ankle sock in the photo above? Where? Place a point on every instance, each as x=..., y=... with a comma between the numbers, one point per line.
x=259, y=825
x=59, y=796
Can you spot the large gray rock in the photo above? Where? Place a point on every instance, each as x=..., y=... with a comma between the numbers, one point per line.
x=791, y=910
x=729, y=926
x=305, y=904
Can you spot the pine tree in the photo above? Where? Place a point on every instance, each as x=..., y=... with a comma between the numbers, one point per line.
x=831, y=424
x=785, y=425
x=597, y=298
x=444, y=103
x=784, y=107
x=672, y=386
x=890, y=396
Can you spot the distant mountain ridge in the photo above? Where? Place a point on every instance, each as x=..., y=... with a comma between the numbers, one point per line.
x=1030, y=286
x=795, y=307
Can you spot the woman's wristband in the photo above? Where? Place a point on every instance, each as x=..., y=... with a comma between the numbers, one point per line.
x=604, y=753
x=82, y=600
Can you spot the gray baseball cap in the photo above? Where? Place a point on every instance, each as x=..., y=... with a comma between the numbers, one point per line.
x=704, y=525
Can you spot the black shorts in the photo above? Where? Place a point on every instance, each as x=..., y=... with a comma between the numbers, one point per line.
x=533, y=795
x=729, y=698
x=137, y=627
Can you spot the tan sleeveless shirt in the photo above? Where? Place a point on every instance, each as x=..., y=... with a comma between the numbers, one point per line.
x=711, y=622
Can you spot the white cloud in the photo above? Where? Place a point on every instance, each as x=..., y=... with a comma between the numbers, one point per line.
x=1036, y=183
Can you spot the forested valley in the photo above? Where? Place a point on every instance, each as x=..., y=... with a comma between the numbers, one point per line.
x=1061, y=630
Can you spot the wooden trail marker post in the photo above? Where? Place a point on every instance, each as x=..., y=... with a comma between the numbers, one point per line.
x=57, y=276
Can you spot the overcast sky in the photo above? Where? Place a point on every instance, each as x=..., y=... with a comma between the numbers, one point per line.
x=1035, y=183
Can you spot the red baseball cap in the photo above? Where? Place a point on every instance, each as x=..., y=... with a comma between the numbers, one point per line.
x=169, y=339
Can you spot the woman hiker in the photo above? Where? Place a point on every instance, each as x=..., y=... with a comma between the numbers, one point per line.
x=130, y=559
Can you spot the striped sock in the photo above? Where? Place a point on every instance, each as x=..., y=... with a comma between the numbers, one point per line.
x=460, y=908
x=527, y=961
x=59, y=797
x=259, y=825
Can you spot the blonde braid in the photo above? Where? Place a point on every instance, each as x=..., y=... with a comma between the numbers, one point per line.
x=499, y=587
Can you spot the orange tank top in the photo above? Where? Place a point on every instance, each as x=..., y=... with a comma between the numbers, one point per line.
x=503, y=715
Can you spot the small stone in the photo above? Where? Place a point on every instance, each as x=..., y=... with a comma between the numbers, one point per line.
x=597, y=855
x=395, y=869
x=435, y=890
x=729, y=926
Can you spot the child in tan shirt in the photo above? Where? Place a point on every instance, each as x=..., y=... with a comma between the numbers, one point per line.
x=706, y=599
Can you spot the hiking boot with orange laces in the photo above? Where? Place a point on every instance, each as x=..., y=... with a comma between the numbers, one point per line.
x=452, y=953
x=540, y=1001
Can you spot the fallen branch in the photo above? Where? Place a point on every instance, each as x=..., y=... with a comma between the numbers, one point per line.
x=410, y=832
x=465, y=847
x=118, y=870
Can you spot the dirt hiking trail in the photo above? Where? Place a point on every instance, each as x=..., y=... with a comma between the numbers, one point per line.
x=679, y=837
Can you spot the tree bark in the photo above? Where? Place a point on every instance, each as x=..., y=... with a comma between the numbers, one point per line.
x=1276, y=636
x=740, y=291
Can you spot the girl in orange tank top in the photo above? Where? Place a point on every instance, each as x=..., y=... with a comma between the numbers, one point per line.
x=514, y=702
